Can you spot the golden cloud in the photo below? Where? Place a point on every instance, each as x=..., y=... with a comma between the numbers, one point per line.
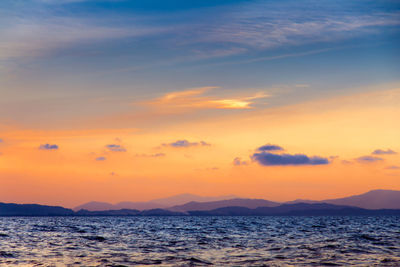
x=194, y=98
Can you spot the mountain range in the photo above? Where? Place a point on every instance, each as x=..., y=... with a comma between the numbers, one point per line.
x=375, y=199
x=160, y=203
x=375, y=202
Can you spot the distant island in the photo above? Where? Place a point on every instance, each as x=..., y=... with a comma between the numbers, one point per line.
x=372, y=203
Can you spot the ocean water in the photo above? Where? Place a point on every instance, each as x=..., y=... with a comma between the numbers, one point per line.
x=191, y=241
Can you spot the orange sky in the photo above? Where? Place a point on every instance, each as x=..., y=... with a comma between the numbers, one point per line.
x=144, y=165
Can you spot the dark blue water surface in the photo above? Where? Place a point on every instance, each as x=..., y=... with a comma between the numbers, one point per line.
x=183, y=241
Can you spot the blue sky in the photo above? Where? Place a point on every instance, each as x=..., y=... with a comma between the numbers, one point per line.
x=74, y=51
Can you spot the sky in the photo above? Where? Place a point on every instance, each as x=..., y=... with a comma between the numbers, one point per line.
x=116, y=100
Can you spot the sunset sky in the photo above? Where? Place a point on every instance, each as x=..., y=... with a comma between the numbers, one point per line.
x=118, y=100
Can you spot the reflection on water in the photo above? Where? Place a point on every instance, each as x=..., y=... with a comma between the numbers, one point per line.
x=182, y=241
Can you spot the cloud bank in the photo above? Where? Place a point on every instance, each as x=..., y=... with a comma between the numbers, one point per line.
x=269, y=159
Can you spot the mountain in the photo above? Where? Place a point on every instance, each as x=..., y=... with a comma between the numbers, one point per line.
x=185, y=198
x=121, y=212
x=95, y=206
x=161, y=203
x=302, y=201
x=375, y=199
x=299, y=209
x=101, y=206
x=11, y=209
x=128, y=212
x=239, y=202
x=139, y=205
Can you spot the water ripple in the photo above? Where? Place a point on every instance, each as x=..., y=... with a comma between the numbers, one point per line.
x=199, y=241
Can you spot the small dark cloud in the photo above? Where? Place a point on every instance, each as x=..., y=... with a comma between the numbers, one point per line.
x=116, y=148
x=269, y=159
x=368, y=159
x=101, y=158
x=239, y=162
x=186, y=143
x=384, y=152
x=1, y=140
x=346, y=162
x=48, y=147
x=113, y=174
x=270, y=147
x=156, y=155
x=393, y=167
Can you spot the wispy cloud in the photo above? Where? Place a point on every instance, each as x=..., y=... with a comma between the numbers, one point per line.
x=393, y=167
x=48, y=147
x=239, y=162
x=368, y=159
x=101, y=159
x=58, y=2
x=237, y=29
x=270, y=147
x=185, y=143
x=156, y=155
x=384, y=152
x=264, y=25
x=44, y=36
x=116, y=148
x=195, y=99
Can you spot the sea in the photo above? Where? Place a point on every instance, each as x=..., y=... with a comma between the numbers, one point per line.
x=200, y=241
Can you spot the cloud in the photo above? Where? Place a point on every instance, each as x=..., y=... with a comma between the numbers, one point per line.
x=258, y=25
x=239, y=162
x=346, y=162
x=1, y=140
x=368, y=159
x=58, y=2
x=101, y=158
x=116, y=148
x=269, y=24
x=48, y=147
x=393, y=167
x=384, y=152
x=195, y=99
x=43, y=35
x=270, y=147
x=269, y=159
x=186, y=143
x=156, y=155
